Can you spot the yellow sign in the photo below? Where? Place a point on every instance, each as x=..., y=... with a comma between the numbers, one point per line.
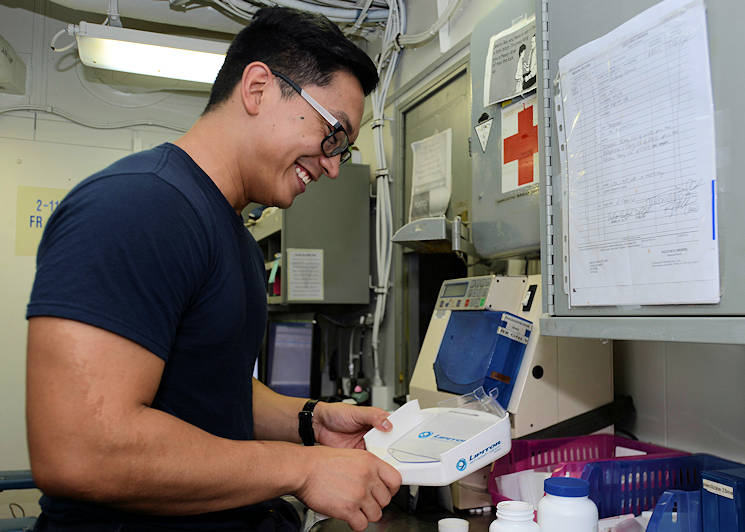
x=34, y=207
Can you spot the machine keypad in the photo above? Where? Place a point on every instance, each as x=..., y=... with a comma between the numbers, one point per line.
x=475, y=296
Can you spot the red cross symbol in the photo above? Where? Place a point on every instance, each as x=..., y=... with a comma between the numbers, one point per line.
x=521, y=146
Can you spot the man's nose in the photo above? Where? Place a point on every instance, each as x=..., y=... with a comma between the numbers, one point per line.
x=331, y=165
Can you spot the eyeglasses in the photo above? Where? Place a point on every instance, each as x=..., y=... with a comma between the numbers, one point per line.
x=336, y=142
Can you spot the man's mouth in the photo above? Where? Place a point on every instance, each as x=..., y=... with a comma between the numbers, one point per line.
x=303, y=174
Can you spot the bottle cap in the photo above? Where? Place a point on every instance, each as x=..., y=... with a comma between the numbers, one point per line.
x=513, y=510
x=566, y=487
x=452, y=524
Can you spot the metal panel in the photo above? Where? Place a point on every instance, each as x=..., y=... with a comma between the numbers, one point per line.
x=503, y=224
x=333, y=215
x=446, y=107
x=572, y=23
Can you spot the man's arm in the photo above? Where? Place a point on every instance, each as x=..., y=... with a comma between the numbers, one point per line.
x=334, y=424
x=93, y=436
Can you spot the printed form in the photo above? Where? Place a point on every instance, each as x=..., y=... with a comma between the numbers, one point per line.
x=636, y=121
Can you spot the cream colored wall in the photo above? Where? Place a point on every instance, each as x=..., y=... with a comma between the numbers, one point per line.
x=687, y=396
x=39, y=149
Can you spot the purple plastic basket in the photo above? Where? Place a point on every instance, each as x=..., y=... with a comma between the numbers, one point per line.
x=567, y=456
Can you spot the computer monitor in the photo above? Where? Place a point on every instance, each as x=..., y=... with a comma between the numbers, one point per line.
x=289, y=364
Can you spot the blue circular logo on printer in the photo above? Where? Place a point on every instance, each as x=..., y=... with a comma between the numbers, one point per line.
x=425, y=434
x=461, y=465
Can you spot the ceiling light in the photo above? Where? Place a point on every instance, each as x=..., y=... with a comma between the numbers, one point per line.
x=152, y=54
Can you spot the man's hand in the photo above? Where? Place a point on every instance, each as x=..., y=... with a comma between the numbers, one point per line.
x=343, y=425
x=348, y=484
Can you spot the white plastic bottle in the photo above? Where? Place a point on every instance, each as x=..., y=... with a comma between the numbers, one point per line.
x=514, y=516
x=566, y=506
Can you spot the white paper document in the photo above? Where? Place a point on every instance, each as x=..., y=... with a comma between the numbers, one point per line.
x=432, y=175
x=639, y=171
x=511, y=63
x=305, y=274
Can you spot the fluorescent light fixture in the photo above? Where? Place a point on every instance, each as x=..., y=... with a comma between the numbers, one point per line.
x=151, y=54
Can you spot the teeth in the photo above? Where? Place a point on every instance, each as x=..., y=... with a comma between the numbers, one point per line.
x=302, y=174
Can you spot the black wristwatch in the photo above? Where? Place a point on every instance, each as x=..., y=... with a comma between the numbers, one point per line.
x=305, y=423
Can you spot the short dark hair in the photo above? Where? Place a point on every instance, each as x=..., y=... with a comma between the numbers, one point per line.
x=304, y=46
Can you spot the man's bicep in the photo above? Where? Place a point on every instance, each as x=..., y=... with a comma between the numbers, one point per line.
x=82, y=382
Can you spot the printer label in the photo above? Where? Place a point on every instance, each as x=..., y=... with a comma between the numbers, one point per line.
x=719, y=489
x=515, y=329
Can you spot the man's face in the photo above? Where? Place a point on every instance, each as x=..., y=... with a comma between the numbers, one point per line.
x=292, y=158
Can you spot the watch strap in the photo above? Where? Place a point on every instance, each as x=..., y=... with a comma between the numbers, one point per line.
x=305, y=423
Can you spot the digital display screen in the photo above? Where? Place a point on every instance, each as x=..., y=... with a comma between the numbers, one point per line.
x=455, y=290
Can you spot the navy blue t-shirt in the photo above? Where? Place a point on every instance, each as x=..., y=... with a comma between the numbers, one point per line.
x=151, y=250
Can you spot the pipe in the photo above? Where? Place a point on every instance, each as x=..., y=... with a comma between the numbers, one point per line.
x=205, y=18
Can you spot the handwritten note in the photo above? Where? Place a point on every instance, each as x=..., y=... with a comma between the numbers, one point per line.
x=639, y=169
x=33, y=208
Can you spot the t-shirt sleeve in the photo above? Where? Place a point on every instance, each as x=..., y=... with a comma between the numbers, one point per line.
x=125, y=253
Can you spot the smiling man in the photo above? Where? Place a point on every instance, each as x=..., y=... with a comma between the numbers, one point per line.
x=148, y=311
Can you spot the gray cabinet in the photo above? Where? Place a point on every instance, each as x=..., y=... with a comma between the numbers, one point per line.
x=319, y=247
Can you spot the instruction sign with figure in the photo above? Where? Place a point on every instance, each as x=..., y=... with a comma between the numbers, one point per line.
x=511, y=63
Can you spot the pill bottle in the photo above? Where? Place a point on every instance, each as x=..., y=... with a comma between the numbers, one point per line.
x=566, y=506
x=452, y=524
x=514, y=516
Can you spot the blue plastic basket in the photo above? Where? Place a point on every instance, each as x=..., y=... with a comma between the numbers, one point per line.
x=622, y=487
x=677, y=511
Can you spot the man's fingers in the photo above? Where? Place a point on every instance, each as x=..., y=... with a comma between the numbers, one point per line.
x=358, y=521
x=372, y=510
x=381, y=494
x=390, y=477
x=374, y=417
x=384, y=425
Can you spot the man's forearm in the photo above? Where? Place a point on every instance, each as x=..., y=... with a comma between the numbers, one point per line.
x=275, y=415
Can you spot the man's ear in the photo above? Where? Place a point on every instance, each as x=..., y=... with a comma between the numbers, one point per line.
x=255, y=83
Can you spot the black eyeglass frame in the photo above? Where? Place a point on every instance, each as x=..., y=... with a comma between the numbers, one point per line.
x=343, y=148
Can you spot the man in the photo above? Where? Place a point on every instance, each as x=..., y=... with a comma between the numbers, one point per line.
x=149, y=307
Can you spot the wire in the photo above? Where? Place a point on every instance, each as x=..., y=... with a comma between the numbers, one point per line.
x=351, y=325
x=64, y=114
x=12, y=506
x=57, y=36
x=363, y=14
x=423, y=37
x=386, y=64
x=339, y=11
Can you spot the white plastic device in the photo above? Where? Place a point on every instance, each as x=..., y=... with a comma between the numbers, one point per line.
x=437, y=446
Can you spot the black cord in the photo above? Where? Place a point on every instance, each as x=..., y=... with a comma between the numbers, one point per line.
x=351, y=325
x=13, y=505
x=627, y=433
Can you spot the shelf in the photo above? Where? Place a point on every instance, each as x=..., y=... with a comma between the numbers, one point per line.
x=267, y=225
x=704, y=329
x=274, y=300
